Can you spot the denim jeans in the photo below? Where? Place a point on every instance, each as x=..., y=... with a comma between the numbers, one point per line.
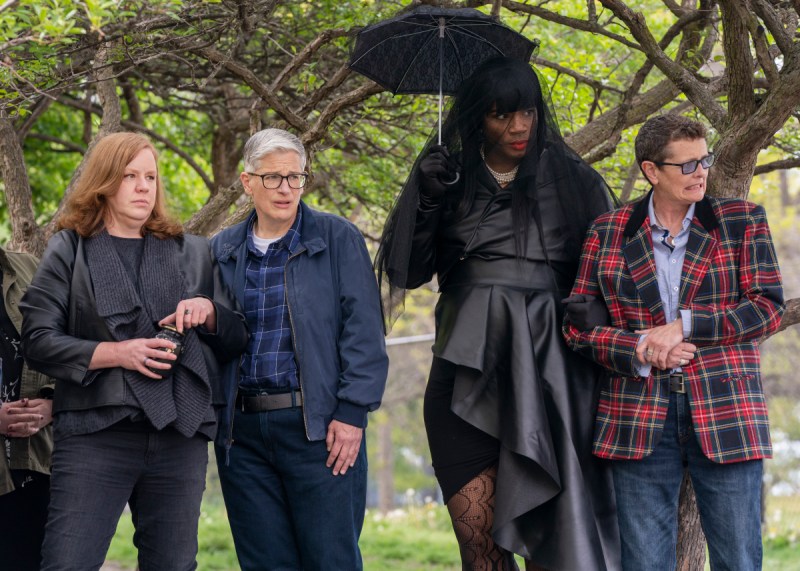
x=161, y=474
x=728, y=499
x=286, y=508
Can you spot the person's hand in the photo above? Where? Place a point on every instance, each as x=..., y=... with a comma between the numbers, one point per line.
x=193, y=312
x=18, y=421
x=435, y=169
x=42, y=407
x=657, y=348
x=139, y=354
x=680, y=355
x=586, y=312
x=343, y=443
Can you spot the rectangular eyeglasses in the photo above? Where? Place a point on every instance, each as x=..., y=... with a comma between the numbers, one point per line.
x=272, y=180
x=690, y=166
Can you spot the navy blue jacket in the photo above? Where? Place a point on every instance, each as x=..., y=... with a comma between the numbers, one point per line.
x=335, y=315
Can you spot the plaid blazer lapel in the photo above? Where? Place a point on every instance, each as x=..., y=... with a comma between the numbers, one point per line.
x=638, y=252
x=700, y=250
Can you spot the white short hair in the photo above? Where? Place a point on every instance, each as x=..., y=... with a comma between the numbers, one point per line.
x=268, y=141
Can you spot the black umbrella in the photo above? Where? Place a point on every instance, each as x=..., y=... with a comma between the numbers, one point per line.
x=432, y=50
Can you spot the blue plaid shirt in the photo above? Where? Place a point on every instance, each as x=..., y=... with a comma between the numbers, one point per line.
x=269, y=364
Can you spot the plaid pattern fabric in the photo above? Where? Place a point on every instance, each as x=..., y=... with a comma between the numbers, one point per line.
x=268, y=362
x=732, y=285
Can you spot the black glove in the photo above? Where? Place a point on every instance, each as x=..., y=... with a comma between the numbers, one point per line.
x=586, y=311
x=436, y=171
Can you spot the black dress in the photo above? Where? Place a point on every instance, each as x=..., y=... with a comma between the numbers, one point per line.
x=526, y=402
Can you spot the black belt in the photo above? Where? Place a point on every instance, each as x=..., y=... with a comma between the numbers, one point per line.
x=677, y=384
x=265, y=402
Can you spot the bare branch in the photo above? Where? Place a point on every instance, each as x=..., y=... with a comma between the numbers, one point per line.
x=330, y=86
x=574, y=23
x=773, y=166
x=42, y=105
x=773, y=23
x=791, y=316
x=256, y=85
x=593, y=83
x=204, y=220
x=303, y=56
x=694, y=89
x=68, y=146
x=633, y=175
x=602, y=128
x=132, y=126
x=320, y=127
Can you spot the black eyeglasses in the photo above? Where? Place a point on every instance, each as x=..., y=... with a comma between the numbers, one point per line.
x=272, y=180
x=690, y=166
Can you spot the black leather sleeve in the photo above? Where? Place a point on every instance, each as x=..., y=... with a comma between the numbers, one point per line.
x=47, y=344
x=230, y=338
x=422, y=261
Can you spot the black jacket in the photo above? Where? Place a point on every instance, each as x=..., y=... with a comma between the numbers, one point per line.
x=61, y=327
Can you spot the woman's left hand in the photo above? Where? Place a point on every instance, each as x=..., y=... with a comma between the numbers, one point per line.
x=191, y=313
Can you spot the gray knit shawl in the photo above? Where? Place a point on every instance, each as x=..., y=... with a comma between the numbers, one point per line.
x=182, y=399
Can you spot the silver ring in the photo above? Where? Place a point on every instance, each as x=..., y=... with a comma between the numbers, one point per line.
x=187, y=311
x=145, y=361
x=649, y=352
x=684, y=362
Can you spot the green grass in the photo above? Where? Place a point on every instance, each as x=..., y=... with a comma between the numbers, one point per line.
x=420, y=538
x=414, y=539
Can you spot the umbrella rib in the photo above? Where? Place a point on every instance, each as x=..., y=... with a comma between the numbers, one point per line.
x=471, y=34
x=414, y=59
x=389, y=39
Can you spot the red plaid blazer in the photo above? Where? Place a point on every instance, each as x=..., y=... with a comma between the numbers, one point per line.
x=732, y=285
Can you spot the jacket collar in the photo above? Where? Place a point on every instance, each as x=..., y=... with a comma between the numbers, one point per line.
x=703, y=211
x=311, y=241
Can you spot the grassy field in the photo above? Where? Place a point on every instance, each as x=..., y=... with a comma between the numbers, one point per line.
x=420, y=538
x=414, y=539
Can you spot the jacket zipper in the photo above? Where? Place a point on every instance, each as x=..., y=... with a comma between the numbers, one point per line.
x=296, y=349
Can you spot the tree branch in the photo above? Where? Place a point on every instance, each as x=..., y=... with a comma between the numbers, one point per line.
x=25, y=232
x=691, y=86
x=133, y=126
x=580, y=78
x=303, y=56
x=773, y=23
x=256, y=85
x=319, y=94
x=791, y=316
x=784, y=164
x=202, y=222
x=738, y=61
x=320, y=126
x=587, y=26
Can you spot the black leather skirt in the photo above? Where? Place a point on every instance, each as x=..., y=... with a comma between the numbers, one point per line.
x=516, y=381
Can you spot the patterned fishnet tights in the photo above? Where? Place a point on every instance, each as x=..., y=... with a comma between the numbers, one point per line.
x=472, y=512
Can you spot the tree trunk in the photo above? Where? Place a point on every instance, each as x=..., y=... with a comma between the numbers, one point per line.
x=25, y=233
x=691, y=539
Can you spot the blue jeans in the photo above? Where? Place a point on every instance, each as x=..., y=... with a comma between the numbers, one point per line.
x=160, y=474
x=286, y=508
x=728, y=499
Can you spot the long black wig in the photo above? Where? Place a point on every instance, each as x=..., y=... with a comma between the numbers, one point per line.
x=500, y=85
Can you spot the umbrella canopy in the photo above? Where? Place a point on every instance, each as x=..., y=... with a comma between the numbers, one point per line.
x=433, y=50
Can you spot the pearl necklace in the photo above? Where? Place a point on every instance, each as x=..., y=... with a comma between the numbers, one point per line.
x=500, y=177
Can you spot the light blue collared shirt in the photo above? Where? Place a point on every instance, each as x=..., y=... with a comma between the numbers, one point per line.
x=669, y=266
